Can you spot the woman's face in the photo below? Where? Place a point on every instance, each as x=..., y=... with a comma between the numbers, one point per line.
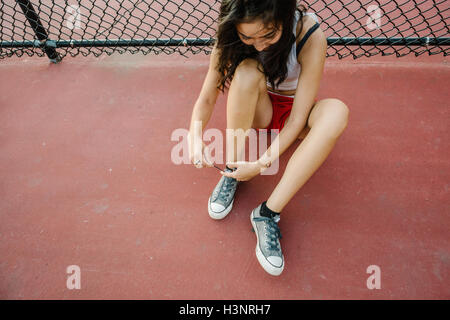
x=255, y=34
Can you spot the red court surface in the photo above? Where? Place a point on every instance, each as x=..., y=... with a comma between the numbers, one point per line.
x=87, y=180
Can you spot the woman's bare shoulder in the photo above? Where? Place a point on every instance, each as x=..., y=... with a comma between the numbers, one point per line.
x=308, y=22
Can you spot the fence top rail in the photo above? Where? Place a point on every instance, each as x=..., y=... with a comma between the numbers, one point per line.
x=353, y=29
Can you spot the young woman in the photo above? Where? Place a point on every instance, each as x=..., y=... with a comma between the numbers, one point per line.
x=270, y=55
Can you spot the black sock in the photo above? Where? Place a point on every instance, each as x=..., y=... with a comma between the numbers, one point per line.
x=266, y=212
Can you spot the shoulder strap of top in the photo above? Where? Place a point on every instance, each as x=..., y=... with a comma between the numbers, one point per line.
x=302, y=42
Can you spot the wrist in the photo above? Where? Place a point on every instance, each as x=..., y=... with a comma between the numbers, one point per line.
x=194, y=135
x=264, y=163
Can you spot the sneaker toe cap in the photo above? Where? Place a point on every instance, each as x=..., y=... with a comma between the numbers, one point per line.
x=275, y=261
x=217, y=208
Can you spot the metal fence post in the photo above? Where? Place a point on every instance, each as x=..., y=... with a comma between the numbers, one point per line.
x=47, y=45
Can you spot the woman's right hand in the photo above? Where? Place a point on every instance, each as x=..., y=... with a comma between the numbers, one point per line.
x=199, y=154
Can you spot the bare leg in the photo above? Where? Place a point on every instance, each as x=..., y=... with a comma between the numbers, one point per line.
x=327, y=122
x=243, y=96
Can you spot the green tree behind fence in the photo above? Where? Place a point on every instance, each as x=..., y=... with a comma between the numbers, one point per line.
x=354, y=28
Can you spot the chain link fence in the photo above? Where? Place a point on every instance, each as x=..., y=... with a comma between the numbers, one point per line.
x=354, y=28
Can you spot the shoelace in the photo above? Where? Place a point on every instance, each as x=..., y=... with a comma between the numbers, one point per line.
x=228, y=185
x=274, y=232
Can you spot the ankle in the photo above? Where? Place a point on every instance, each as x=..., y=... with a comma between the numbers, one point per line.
x=266, y=212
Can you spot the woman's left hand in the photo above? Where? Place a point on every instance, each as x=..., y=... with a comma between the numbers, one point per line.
x=245, y=170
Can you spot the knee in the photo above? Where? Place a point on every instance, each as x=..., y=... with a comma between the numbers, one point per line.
x=341, y=112
x=336, y=117
x=248, y=75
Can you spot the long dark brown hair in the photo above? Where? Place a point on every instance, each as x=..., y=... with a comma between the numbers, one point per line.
x=232, y=51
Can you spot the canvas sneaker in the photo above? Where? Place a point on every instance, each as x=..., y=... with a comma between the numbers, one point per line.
x=221, y=200
x=268, y=248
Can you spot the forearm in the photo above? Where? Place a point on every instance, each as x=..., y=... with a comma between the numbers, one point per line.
x=280, y=144
x=201, y=112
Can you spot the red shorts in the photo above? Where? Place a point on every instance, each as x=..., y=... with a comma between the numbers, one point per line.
x=281, y=106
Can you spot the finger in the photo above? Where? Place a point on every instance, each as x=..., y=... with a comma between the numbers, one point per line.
x=227, y=174
x=198, y=164
x=205, y=161
x=207, y=157
x=197, y=157
x=232, y=164
x=208, y=162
